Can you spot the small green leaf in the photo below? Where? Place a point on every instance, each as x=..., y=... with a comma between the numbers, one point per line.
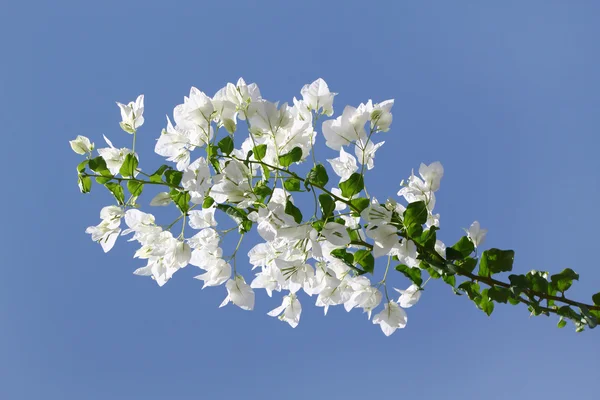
x=157, y=176
x=293, y=156
x=428, y=238
x=347, y=258
x=239, y=216
x=596, y=299
x=365, y=259
x=499, y=294
x=449, y=279
x=181, y=199
x=518, y=284
x=327, y=205
x=561, y=323
x=262, y=190
x=318, y=175
x=494, y=261
x=537, y=281
x=591, y=320
x=294, y=211
x=471, y=289
x=486, y=305
x=414, y=274
x=226, y=145
x=98, y=165
x=117, y=191
x=292, y=185
x=81, y=166
x=468, y=264
x=415, y=216
x=460, y=250
x=85, y=183
x=352, y=186
x=359, y=204
x=208, y=201
x=173, y=177
x=135, y=188
x=129, y=165
x=564, y=280
x=260, y=151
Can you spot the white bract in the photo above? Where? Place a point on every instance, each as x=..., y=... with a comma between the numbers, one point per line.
x=323, y=239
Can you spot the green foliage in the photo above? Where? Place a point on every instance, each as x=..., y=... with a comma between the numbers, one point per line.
x=318, y=176
x=536, y=280
x=181, y=200
x=365, y=259
x=129, y=166
x=98, y=165
x=352, y=186
x=294, y=211
x=359, y=204
x=563, y=280
x=262, y=190
x=472, y=290
x=293, y=156
x=414, y=274
x=226, y=145
x=135, y=188
x=117, y=191
x=347, y=258
x=238, y=215
x=415, y=216
x=327, y=205
x=428, y=238
x=499, y=294
x=466, y=265
x=460, y=250
x=292, y=185
x=173, y=177
x=485, y=304
x=596, y=299
x=85, y=183
x=494, y=261
x=260, y=151
x=208, y=201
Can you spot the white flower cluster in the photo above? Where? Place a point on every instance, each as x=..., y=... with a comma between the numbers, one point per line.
x=297, y=255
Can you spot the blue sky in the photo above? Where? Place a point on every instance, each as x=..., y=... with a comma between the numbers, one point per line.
x=504, y=94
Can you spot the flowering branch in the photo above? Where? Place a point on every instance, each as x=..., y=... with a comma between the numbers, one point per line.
x=332, y=255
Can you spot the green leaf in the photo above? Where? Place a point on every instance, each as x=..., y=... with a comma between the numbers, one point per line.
x=81, y=166
x=494, y=261
x=596, y=299
x=561, y=323
x=414, y=274
x=449, y=279
x=226, y=145
x=318, y=175
x=211, y=151
x=117, y=191
x=471, y=289
x=262, y=190
x=181, y=199
x=260, y=151
x=208, y=201
x=460, y=250
x=518, y=284
x=365, y=259
x=173, y=177
x=98, y=165
x=292, y=185
x=294, y=211
x=135, y=188
x=415, y=216
x=486, y=305
x=85, y=183
x=353, y=185
x=359, y=204
x=293, y=156
x=499, y=294
x=468, y=264
x=327, y=205
x=347, y=258
x=591, y=320
x=564, y=280
x=129, y=165
x=318, y=225
x=537, y=281
x=428, y=238
x=238, y=215
x=157, y=176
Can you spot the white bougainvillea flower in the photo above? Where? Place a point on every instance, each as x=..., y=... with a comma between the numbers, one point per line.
x=107, y=232
x=476, y=234
x=161, y=199
x=347, y=128
x=132, y=114
x=391, y=318
x=270, y=278
x=217, y=272
x=381, y=116
x=199, y=219
x=289, y=311
x=409, y=297
x=406, y=251
x=174, y=144
x=365, y=152
x=318, y=97
x=344, y=165
x=113, y=157
x=432, y=175
x=385, y=237
x=81, y=145
x=239, y=293
x=336, y=234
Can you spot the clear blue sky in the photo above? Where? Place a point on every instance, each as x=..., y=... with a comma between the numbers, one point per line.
x=505, y=94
